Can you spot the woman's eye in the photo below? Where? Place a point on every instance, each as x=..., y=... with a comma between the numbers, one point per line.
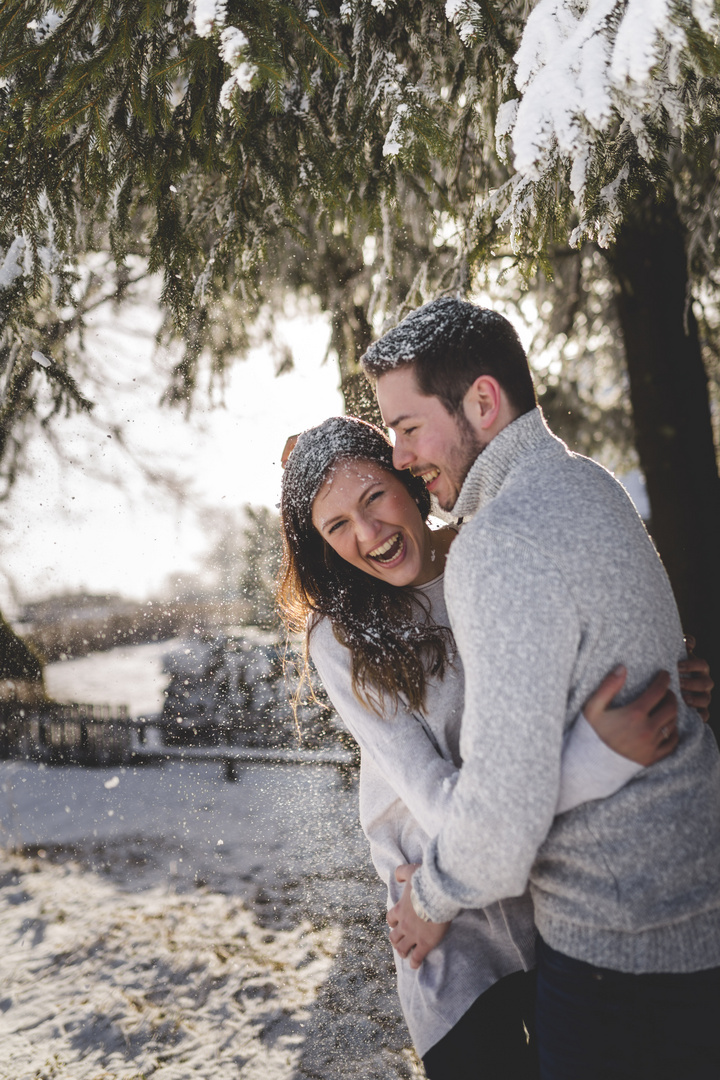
x=408, y=431
x=335, y=526
x=375, y=495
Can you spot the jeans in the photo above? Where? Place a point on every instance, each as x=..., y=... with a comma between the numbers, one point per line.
x=597, y=1024
x=489, y=1041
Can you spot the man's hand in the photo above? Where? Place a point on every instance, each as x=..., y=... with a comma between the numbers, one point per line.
x=410, y=935
x=644, y=730
x=695, y=681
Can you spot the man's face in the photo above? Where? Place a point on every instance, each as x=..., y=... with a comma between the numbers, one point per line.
x=428, y=440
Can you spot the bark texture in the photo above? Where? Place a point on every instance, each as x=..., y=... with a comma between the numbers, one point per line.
x=671, y=410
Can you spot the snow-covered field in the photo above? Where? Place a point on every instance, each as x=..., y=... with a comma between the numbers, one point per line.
x=163, y=922
x=101, y=983
x=140, y=908
x=183, y=823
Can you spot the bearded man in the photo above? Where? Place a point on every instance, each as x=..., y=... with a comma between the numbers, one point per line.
x=554, y=578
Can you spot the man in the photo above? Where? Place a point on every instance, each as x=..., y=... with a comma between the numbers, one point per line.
x=553, y=578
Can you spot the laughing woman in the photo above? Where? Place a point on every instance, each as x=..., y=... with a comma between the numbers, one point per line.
x=362, y=577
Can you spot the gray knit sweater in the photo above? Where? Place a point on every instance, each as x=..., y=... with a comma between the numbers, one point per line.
x=552, y=582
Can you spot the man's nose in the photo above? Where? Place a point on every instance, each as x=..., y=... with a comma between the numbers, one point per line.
x=402, y=456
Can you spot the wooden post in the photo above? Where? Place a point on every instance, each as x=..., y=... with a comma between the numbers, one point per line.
x=231, y=770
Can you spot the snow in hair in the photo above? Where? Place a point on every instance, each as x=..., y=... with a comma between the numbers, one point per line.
x=431, y=326
x=317, y=450
x=393, y=644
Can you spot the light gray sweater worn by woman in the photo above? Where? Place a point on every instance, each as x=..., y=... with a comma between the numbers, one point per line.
x=409, y=767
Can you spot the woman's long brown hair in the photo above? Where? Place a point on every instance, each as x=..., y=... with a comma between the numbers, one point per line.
x=393, y=643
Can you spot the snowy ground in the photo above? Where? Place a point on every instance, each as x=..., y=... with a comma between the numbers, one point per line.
x=162, y=922
x=100, y=983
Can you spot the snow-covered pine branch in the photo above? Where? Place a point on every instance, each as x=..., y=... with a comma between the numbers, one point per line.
x=603, y=86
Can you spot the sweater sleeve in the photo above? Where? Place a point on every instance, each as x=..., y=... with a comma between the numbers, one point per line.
x=393, y=833
x=399, y=746
x=590, y=769
x=511, y=612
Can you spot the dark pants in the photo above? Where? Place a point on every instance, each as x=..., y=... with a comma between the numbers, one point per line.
x=597, y=1024
x=489, y=1042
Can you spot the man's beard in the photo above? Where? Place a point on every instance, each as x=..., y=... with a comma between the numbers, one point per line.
x=463, y=457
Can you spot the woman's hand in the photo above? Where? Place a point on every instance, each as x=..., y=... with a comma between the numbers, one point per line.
x=410, y=935
x=644, y=730
x=695, y=681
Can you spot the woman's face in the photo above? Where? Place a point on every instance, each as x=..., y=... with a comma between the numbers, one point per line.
x=370, y=519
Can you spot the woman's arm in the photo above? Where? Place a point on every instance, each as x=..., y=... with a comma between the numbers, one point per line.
x=423, y=780
x=395, y=837
x=399, y=747
x=606, y=747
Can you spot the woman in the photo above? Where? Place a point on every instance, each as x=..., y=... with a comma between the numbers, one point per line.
x=363, y=576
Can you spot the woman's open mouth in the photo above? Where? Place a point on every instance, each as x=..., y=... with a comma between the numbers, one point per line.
x=389, y=551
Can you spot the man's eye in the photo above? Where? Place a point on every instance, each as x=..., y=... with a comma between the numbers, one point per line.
x=408, y=431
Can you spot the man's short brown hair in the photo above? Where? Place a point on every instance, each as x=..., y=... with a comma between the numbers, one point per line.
x=450, y=343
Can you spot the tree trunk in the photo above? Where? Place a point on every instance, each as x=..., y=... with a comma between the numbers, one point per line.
x=352, y=335
x=21, y=675
x=671, y=410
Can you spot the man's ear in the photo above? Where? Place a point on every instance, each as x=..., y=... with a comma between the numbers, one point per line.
x=483, y=403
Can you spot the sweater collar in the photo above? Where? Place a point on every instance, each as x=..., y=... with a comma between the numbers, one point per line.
x=493, y=465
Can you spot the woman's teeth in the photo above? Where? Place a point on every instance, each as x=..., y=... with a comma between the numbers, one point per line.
x=388, y=550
